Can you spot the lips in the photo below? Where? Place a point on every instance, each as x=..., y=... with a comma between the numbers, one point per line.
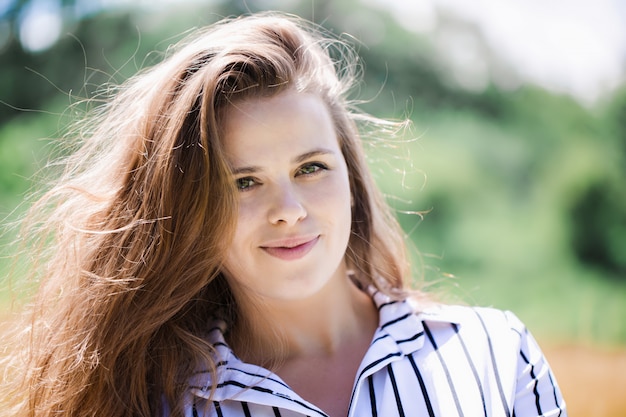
x=290, y=249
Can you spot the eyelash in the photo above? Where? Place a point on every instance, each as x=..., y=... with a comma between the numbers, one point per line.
x=246, y=183
x=243, y=187
x=318, y=166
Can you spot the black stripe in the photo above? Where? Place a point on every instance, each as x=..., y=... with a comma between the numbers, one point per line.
x=370, y=383
x=269, y=391
x=396, y=320
x=412, y=338
x=418, y=374
x=194, y=410
x=246, y=410
x=370, y=366
x=536, y=392
x=445, y=369
x=556, y=399
x=276, y=411
x=263, y=377
x=396, y=394
x=384, y=336
x=532, y=375
x=218, y=409
x=471, y=364
x=495, y=365
x=373, y=364
x=388, y=303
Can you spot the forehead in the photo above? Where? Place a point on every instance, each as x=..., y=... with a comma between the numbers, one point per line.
x=287, y=123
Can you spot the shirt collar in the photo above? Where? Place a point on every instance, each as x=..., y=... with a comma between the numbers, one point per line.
x=400, y=333
x=241, y=381
x=402, y=320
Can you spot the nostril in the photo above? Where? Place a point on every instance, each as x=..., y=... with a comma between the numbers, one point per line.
x=289, y=212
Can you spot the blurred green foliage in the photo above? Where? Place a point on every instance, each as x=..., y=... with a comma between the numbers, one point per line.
x=514, y=199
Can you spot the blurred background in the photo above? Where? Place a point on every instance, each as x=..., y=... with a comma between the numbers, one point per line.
x=510, y=183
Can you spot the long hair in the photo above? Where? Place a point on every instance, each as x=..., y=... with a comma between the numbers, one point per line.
x=135, y=230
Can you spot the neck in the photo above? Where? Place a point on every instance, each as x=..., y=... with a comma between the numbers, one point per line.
x=323, y=325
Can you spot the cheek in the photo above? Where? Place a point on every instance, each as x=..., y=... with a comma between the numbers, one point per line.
x=339, y=193
x=235, y=268
x=241, y=235
x=247, y=216
x=333, y=202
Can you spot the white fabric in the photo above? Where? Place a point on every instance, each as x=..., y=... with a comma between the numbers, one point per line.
x=448, y=361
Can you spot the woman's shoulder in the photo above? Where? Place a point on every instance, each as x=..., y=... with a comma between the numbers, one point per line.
x=461, y=319
x=487, y=318
x=484, y=327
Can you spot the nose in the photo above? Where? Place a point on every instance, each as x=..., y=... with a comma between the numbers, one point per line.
x=286, y=206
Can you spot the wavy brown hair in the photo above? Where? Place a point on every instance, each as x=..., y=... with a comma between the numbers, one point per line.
x=134, y=232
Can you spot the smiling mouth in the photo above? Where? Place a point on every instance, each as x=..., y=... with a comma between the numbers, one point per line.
x=290, y=252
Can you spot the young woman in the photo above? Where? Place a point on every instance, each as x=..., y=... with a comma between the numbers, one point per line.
x=217, y=247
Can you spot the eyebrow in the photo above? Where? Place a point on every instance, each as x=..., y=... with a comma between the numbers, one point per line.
x=311, y=154
x=300, y=158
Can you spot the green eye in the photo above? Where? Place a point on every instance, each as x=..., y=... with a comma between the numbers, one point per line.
x=244, y=183
x=311, y=168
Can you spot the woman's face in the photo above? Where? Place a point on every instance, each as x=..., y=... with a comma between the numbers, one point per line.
x=294, y=214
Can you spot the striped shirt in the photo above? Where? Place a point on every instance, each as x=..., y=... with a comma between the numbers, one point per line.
x=447, y=361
